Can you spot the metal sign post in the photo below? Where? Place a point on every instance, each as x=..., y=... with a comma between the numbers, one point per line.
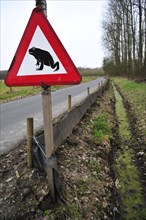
x=47, y=115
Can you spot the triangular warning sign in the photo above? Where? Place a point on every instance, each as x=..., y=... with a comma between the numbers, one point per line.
x=41, y=58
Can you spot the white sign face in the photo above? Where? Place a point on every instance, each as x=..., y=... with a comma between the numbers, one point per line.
x=40, y=58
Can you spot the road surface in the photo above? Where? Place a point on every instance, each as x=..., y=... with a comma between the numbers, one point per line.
x=13, y=114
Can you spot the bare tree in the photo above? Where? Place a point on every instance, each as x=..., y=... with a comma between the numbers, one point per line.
x=125, y=37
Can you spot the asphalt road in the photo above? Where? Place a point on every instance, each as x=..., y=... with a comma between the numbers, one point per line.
x=13, y=114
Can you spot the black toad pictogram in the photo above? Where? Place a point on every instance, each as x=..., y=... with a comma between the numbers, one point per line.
x=43, y=58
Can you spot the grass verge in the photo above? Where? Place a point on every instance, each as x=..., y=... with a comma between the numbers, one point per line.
x=135, y=97
x=12, y=93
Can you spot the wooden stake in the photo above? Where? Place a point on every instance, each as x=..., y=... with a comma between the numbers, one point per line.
x=11, y=90
x=48, y=132
x=88, y=91
x=100, y=85
x=29, y=141
x=69, y=103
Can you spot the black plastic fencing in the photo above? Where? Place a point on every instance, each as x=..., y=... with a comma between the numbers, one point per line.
x=65, y=126
x=61, y=130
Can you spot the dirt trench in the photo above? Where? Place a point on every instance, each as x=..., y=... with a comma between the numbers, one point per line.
x=130, y=190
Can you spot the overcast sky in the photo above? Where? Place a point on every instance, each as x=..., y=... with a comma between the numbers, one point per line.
x=78, y=24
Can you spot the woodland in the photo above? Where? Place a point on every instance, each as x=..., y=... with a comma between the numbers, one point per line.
x=124, y=38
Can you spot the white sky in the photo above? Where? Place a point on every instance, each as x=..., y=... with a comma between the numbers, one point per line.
x=77, y=23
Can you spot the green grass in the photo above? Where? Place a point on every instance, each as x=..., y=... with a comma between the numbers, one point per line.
x=135, y=94
x=12, y=93
x=71, y=211
x=88, y=78
x=101, y=129
x=8, y=94
x=130, y=186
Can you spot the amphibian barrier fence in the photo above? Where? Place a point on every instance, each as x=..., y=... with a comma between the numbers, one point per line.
x=63, y=128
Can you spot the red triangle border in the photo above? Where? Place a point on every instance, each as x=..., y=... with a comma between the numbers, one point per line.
x=37, y=18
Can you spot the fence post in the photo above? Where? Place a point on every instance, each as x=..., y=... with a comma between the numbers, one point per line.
x=88, y=91
x=69, y=103
x=100, y=85
x=11, y=90
x=29, y=141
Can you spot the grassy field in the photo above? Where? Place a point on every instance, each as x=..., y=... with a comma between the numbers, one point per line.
x=8, y=94
x=12, y=93
x=135, y=94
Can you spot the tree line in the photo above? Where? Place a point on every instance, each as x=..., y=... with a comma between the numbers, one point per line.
x=124, y=38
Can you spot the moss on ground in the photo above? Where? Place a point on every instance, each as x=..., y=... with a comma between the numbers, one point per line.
x=134, y=94
x=130, y=188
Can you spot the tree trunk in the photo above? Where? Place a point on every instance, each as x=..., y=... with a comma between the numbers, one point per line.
x=140, y=38
x=133, y=38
